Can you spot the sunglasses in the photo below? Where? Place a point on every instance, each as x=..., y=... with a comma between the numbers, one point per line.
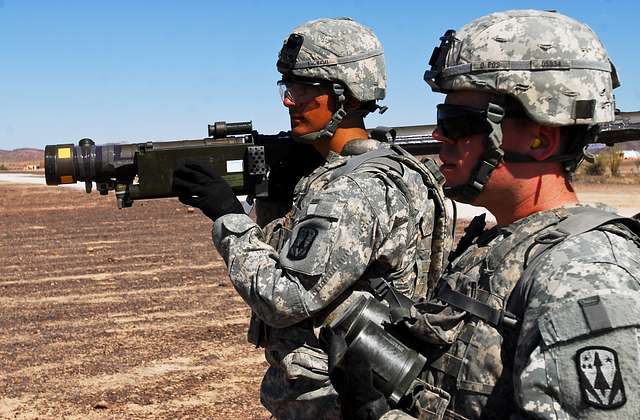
x=458, y=122
x=300, y=91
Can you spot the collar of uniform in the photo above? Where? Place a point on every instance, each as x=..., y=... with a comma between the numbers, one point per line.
x=351, y=148
x=359, y=146
x=334, y=160
x=489, y=235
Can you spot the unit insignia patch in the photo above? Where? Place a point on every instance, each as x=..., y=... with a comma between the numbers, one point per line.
x=301, y=245
x=600, y=377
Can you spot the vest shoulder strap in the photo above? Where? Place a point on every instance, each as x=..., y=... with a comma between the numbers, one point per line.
x=582, y=220
x=575, y=224
x=431, y=262
x=356, y=161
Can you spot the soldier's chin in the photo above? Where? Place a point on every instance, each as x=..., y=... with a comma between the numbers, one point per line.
x=299, y=129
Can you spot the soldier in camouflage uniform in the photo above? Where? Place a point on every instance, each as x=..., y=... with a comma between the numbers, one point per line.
x=538, y=317
x=370, y=212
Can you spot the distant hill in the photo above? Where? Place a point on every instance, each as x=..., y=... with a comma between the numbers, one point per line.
x=20, y=159
x=21, y=155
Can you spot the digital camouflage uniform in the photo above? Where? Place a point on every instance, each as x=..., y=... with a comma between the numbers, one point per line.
x=340, y=232
x=383, y=218
x=547, y=371
x=533, y=320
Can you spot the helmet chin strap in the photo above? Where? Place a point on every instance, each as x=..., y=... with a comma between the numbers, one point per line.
x=329, y=130
x=492, y=157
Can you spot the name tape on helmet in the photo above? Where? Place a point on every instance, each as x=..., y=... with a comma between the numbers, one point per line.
x=337, y=60
x=527, y=65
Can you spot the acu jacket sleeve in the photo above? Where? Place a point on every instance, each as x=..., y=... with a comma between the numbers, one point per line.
x=578, y=353
x=328, y=250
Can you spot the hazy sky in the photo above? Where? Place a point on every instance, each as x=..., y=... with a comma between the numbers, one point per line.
x=158, y=70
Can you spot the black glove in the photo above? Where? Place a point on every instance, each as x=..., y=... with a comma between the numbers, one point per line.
x=352, y=378
x=200, y=187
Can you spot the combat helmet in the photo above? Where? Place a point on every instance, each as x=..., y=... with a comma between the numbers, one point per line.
x=340, y=51
x=555, y=67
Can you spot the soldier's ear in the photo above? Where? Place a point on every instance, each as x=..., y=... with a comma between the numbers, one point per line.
x=546, y=143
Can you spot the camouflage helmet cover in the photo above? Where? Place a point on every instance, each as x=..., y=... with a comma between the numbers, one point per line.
x=555, y=66
x=338, y=50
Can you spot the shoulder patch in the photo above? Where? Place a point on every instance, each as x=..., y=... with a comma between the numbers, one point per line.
x=301, y=245
x=600, y=377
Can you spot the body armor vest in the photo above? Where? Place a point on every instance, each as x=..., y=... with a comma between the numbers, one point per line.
x=433, y=223
x=479, y=304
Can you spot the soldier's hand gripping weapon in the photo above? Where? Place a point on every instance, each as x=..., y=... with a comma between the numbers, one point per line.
x=254, y=164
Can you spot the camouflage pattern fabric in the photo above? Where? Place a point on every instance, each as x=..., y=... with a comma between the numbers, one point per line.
x=339, y=50
x=576, y=353
x=584, y=304
x=555, y=66
x=363, y=224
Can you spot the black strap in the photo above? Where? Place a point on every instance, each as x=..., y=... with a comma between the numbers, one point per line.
x=490, y=158
x=471, y=232
x=385, y=291
x=495, y=317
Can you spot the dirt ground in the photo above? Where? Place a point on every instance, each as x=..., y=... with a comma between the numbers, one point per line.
x=625, y=198
x=108, y=313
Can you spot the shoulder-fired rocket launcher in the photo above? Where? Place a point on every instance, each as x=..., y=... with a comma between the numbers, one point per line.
x=254, y=164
